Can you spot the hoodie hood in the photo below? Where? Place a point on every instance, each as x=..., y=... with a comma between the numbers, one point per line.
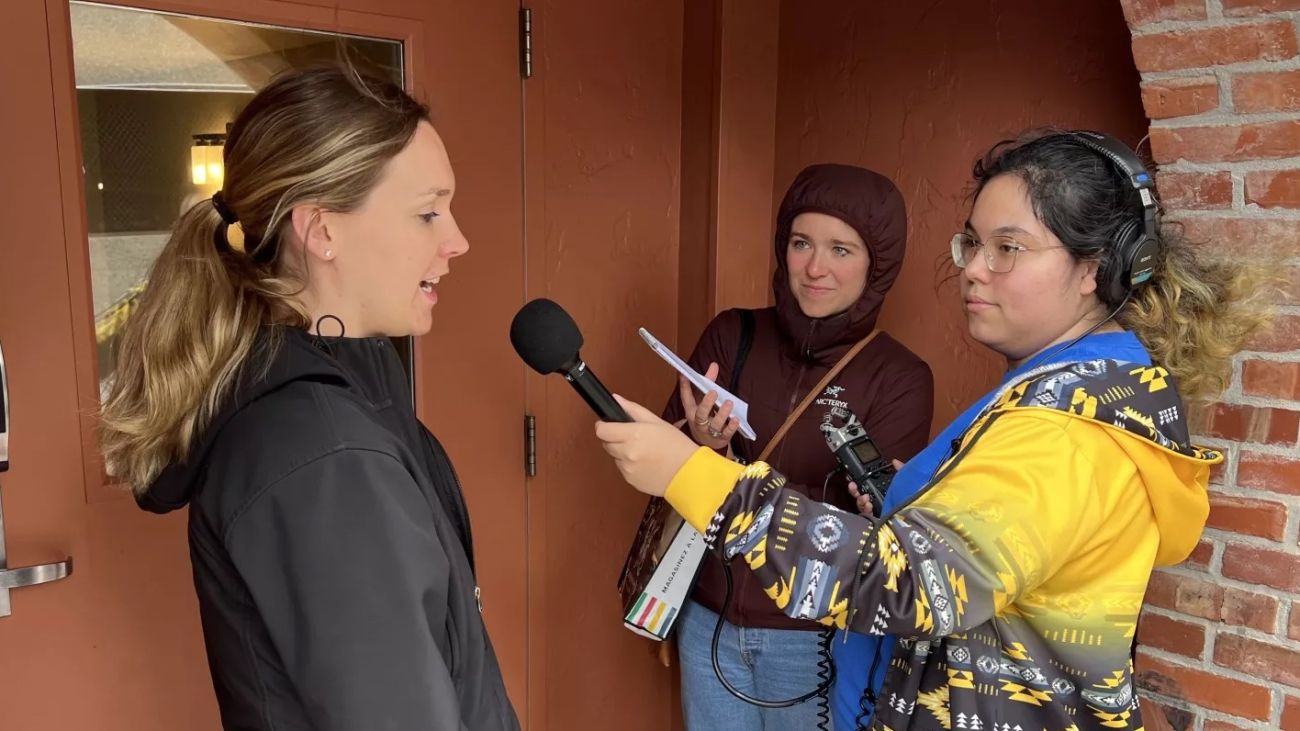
x=871, y=204
x=1140, y=409
x=368, y=367
x=1176, y=483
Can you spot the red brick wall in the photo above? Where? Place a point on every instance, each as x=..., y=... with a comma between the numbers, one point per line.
x=1221, y=635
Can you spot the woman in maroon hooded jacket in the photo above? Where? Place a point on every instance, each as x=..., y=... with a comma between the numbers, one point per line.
x=840, y=239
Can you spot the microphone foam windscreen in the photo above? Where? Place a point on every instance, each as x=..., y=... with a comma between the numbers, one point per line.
x=545, y=336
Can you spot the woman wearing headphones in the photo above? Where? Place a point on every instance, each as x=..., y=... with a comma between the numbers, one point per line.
x=1014, y=568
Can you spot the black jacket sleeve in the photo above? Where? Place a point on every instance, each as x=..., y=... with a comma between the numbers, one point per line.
x=347, y=571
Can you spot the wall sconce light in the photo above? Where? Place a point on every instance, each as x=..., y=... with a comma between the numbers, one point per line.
x=206, y=163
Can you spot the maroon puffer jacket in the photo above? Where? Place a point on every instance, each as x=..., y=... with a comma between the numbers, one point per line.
x=888, y=387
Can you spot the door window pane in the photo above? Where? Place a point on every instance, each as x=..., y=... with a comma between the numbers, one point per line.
x=155, y=93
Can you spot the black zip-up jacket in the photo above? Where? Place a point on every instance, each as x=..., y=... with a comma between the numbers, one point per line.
x=331, y=551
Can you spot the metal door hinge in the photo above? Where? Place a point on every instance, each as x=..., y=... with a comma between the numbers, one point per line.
x=530, y=445
x=526, y=42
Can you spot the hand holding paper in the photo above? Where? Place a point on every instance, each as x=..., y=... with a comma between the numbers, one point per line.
x=740, y=409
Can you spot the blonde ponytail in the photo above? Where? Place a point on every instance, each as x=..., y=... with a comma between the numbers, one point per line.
x=322, y=136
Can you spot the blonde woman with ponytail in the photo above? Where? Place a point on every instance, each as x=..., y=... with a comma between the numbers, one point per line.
x=256, y=385
x=1002, y=584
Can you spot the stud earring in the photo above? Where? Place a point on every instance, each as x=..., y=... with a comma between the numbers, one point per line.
x=329, y=253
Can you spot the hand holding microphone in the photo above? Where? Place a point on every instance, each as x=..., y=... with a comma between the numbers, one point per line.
x=647, y=450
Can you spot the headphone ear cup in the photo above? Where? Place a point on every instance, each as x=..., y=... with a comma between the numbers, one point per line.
x=1113, y=276
x=1141, y=265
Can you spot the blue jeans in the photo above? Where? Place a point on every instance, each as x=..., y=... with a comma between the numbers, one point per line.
x=770, y=664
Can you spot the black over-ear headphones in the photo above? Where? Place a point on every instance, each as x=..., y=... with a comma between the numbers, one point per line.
x=1133, y=262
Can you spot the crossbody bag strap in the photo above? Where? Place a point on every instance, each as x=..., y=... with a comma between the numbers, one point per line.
x=803, y=405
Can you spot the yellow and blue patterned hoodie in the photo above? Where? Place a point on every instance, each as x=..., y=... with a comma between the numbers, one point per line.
x=1016, y=576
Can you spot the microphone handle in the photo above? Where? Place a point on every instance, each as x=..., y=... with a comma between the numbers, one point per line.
x=592, y=391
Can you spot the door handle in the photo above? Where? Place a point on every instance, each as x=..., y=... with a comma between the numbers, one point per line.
x=17, y=578
x=33, y=575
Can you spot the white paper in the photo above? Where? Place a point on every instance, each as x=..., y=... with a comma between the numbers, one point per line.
x=740, y=410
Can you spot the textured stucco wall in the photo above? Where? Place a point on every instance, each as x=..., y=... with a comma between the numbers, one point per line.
x=917, y=91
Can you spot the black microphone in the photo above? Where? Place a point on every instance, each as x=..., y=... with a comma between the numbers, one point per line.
x=548, y=340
